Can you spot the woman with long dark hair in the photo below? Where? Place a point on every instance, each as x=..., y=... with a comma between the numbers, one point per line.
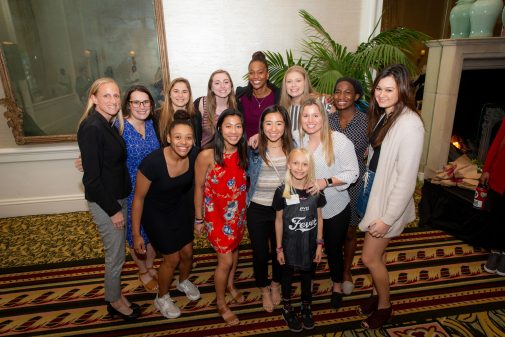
x=266, y=170
x=220, y=203
x=396, y=135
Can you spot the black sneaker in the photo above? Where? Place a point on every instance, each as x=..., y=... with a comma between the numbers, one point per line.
x=492, y=262
x=500, y=269
x=306, y=317
x=292, y=320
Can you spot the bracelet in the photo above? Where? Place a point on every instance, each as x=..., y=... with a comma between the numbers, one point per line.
x=279, y=249
x=320, y=242
x=198, y=221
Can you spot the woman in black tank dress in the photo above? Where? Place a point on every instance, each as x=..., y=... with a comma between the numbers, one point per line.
x=163, y=204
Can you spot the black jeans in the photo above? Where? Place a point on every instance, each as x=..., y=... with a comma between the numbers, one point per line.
x=334, y=232
x=261, y=227
x=305, y=283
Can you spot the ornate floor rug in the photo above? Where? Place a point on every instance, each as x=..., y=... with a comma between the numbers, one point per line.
x=437, y=283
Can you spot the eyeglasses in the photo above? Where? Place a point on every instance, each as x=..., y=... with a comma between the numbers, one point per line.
x=137, y=104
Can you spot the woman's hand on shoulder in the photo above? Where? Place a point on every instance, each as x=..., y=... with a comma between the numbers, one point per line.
x=253, y=141
x=378, y=228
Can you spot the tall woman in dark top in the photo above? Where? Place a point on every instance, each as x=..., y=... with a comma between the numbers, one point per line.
x=162, y=203
x=220, y=96
x=257, y=95
x=350, y=119
x=179, y=98
x=138, y=131
x=107, y=185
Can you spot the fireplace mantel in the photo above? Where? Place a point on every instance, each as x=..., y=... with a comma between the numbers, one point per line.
x=446, y=60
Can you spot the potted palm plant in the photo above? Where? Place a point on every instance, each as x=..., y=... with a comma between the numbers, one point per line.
x=326, y=60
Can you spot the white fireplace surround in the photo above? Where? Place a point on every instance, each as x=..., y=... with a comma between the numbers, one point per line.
x=446, y=60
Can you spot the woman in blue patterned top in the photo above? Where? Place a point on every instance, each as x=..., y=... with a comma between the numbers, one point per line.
x=141, y=139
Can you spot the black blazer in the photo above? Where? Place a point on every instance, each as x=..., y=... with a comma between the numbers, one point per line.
x=103, y=153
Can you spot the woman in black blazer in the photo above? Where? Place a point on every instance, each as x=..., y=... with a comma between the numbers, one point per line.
x=107, y=185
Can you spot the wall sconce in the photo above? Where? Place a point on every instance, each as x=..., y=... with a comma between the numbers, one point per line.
x=134, y=62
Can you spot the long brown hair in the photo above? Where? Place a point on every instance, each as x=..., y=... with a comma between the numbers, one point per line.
x=211, y=99
x=167, y=110
x=400, y=74
x=93, y=90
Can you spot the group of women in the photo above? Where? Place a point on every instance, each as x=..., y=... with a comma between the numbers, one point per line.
x=156, y=178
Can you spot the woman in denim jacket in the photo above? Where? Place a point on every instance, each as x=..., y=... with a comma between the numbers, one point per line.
x=266, y=171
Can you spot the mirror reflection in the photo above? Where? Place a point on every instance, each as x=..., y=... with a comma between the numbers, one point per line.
x=54, y=49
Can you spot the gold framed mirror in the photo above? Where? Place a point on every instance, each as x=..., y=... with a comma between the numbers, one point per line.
x=51, y=51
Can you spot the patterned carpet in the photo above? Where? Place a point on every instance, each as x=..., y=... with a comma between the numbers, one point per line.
x=51, y=285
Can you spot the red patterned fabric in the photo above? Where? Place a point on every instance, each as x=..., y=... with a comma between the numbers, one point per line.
x=224, y=201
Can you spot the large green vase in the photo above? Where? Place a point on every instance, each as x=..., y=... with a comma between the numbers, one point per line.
x=460, y=19
x=483, y=15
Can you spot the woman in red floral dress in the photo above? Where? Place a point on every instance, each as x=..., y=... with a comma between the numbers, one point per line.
x=220, y=192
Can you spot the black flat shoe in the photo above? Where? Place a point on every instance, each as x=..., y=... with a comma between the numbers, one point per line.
x=336, y=300
x=131, y=317
x=135, y=307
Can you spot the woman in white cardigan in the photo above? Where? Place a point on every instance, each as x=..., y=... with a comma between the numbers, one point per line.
x=396, y=139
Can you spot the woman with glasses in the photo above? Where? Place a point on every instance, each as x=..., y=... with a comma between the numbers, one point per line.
x=139, y=134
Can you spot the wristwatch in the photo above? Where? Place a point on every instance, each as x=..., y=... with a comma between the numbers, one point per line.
x=329, y=182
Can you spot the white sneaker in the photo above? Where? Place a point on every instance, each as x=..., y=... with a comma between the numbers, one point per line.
x=191, y=291
x=347, y=287
x=166, y=306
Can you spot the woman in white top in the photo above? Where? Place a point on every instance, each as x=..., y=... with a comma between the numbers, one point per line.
x=396, y=135
x=336, y=168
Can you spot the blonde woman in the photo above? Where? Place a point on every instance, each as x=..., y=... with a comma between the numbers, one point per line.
x=295, y=85
x=336, y=168
x=107, y=186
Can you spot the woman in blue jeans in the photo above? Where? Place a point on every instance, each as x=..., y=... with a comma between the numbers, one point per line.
x=107, y=185
x=267, y=169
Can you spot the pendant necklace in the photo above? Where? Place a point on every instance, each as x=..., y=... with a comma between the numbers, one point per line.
x=260, y=102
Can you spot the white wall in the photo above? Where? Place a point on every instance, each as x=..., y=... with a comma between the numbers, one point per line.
x=201, y=36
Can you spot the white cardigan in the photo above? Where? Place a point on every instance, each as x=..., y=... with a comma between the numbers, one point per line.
x=395, y=180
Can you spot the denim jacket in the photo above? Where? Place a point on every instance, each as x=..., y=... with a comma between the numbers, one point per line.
x=253, y=172
x=254, y=169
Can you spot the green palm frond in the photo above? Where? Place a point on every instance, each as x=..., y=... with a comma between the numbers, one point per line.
x=326, y=60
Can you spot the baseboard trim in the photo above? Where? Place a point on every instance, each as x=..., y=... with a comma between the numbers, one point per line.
x=42, y=205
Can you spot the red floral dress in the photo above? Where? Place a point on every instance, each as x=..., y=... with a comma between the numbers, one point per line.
x=224, y=201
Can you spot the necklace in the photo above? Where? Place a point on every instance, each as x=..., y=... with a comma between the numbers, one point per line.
x=259, y=102
x=274, y=147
